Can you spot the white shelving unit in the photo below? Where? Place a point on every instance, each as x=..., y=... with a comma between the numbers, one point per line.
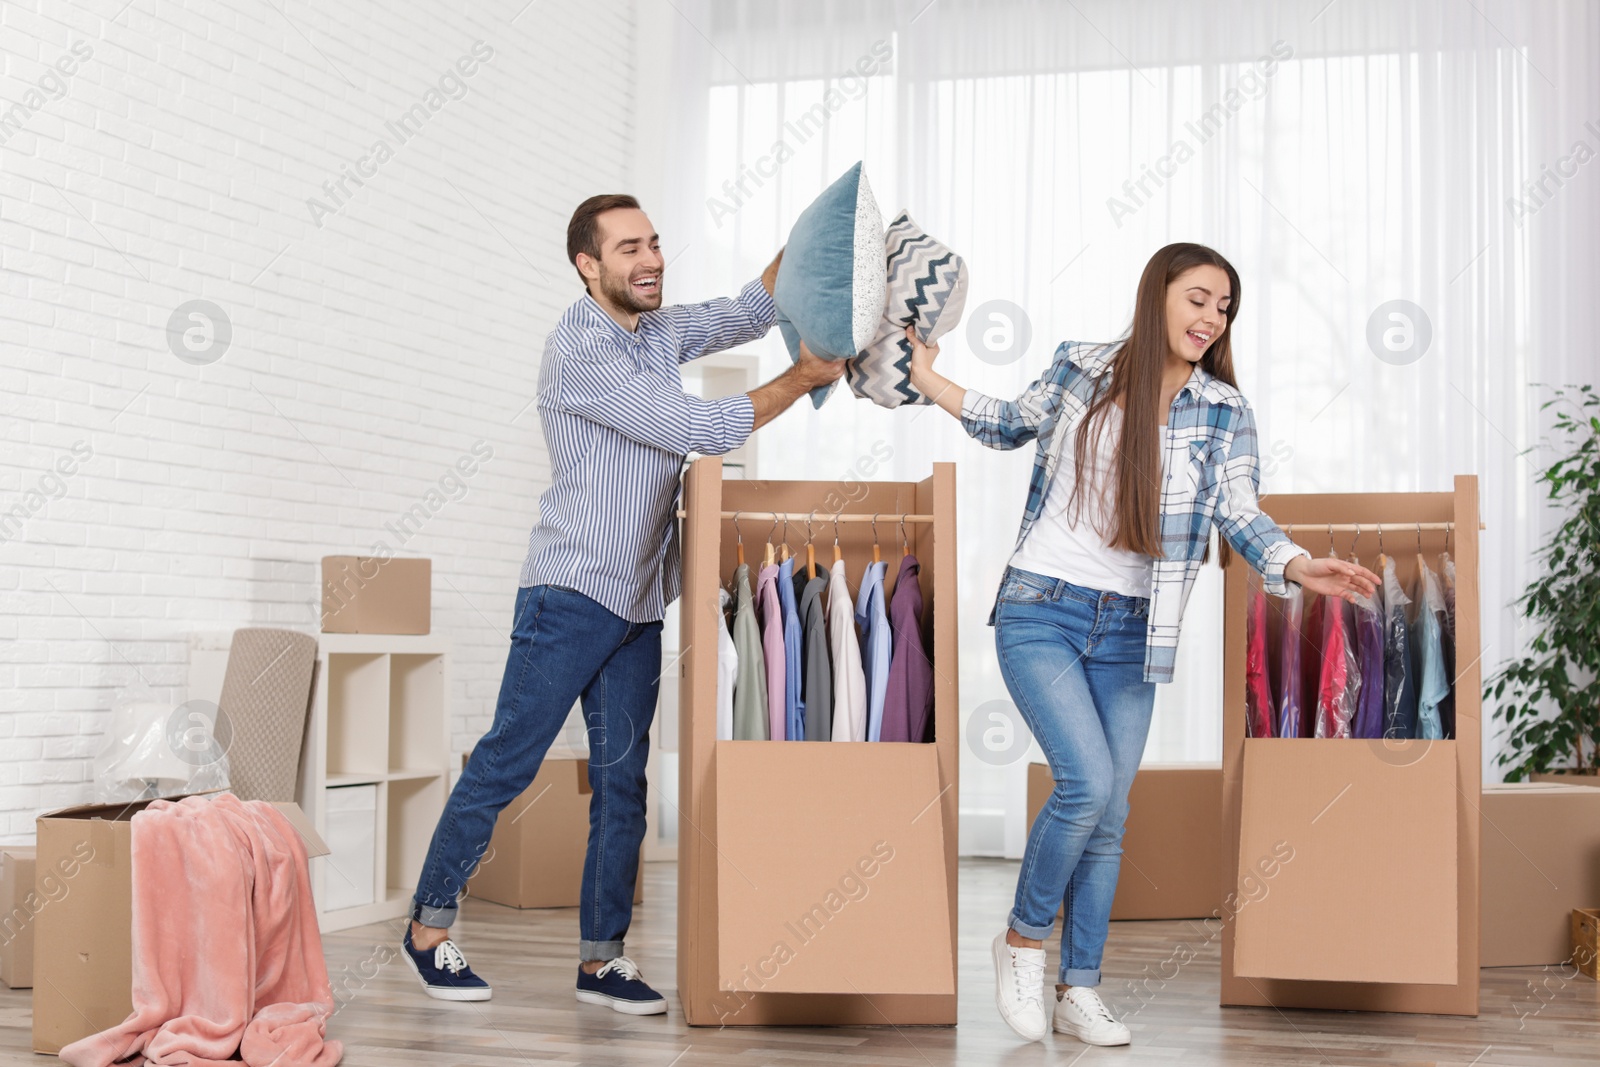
x=379, y=717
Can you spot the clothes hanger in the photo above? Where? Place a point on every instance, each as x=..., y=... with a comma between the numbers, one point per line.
x=905, y=546
x=1383, y=557
x=876, y=558
x=811, y=551
x=783, y=549
x=738, y=541
x=837, y=555
x=769, y=558
x=1354, y=541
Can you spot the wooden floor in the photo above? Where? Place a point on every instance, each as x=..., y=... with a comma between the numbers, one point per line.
x=1530, y=1015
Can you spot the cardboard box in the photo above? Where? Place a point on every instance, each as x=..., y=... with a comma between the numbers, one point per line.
x=1541, y=860
x=1172, y=844
x=83, y=949
x=19, y=904
x=796, y=860
x=373, y=595
x=1378, y=906
x=1586, y=941
x=535, y=858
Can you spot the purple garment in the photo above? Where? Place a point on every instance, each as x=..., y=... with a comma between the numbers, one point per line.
x=1369, y=654
x=772, y=649
x=908, y=705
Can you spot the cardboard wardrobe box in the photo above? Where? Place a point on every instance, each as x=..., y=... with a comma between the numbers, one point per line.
x=1561, y=778
x=1172, y=843
x=1350, y=868
x=1541, y=861
x=795, y=858
x=20, y=903
x=376, y=595
x=83, y=948
x=535, y=858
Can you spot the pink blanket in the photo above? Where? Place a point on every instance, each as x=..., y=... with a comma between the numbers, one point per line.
x=227, y=960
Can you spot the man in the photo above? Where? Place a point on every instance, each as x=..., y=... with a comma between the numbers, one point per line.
x=602, y=565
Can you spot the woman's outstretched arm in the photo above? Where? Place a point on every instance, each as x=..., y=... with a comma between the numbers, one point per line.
x=1001, y=424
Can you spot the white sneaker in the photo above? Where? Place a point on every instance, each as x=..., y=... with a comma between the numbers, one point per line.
x=1019, y=987
x=1081, y=1013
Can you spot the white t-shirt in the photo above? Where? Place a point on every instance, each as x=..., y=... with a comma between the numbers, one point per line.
x=1078, y=552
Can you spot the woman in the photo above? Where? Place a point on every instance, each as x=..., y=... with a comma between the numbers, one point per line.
x=1143, y=445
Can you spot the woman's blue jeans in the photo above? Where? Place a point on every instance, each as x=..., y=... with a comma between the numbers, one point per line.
x=564, y=647
x=1073, y=659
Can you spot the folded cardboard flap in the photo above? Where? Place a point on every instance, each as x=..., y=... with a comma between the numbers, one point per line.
x=861, y=822
x=1347, y=861
x=113, y=813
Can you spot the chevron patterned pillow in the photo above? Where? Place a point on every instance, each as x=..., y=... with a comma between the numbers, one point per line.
x=927, y=290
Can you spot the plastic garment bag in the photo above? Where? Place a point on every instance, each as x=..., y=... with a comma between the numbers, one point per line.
x=1399, y=669
x=1368, y=611
x=1447, y=706
x=1427, y=634
x=1257, y=683
x=1336, y=701
x=1290, y=720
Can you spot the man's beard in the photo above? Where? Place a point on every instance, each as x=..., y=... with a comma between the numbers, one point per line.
x=621, y=293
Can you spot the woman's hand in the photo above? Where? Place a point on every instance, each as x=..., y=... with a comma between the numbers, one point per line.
x=929, y=382
x=1331, y=576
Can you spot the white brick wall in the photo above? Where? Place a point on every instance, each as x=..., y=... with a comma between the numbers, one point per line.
x=367, y=354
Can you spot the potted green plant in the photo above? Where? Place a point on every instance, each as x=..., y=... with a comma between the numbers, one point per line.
x=1550, y=698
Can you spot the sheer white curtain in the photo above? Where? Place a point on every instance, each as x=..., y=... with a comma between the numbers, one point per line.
x=1342, y=154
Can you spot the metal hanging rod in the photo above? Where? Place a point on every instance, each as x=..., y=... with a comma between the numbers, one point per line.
x=821, y=518
x=1370, y=527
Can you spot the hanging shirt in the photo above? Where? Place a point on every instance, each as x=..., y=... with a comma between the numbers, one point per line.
x=874, y=623
x=849, y=681
x=1257, y=683
x=818, y=693
x=772, y=649
x=1427, y=638
x=727, y=669
x=750, y=685
x=1368, y=722
x=908, y=700
x=1447, y=706
x=1074, y=548
x=794, y=727
x=1334, y=710
x=1399, y=671
x=1288, y=672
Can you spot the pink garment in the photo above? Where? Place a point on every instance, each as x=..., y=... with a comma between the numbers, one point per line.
x=1257, y=686
x=771, y=612
x=1335, y=701
x=227, y=960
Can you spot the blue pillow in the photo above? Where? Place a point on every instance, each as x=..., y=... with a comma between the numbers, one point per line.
x=831, y=283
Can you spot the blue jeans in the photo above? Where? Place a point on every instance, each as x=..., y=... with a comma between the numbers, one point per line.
x=1073, y=659
x=563, y=646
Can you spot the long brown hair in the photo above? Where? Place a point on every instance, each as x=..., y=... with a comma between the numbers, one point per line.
x=1135, y=378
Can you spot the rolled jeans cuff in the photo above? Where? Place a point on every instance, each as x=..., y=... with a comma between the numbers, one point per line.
x=439, y=918
x=1087, y=979
x=1037, y=933
x=599, y=950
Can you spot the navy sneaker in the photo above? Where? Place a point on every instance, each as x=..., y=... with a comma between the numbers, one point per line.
x=444, y=971
x=618, y=986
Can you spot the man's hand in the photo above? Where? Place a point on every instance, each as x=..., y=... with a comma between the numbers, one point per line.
x=769, y=277
x=812, y=370
x=804, y=375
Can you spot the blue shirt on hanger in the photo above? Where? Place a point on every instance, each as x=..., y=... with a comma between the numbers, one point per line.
x=795, y=707
x=873, y=619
